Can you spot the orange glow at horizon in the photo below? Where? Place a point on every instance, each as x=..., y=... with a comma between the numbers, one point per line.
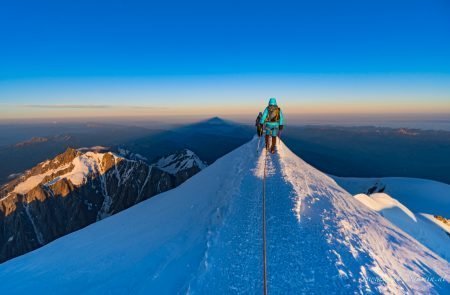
x=217, y=109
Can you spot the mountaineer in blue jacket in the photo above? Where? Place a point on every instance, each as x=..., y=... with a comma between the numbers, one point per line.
x=273, y=120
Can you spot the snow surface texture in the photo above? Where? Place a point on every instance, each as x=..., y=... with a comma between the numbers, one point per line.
x=205, y=237
x=84, y=165
x=181, y=161
x=419, y=195
x=404, y=204
x=33, y=181
x=418, y=226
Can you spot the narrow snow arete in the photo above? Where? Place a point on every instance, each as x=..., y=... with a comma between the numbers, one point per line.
x=205, y=237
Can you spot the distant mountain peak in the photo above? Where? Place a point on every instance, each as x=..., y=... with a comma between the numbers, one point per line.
x=79, y=187
x=182, y=160
x=31, y=141
x=66, y=157
x=41, y=139
x=319, y=238
x=408, y=132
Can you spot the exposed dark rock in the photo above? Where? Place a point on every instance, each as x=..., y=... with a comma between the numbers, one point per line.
x=56, y=206
x=371, y=190
x=442, y=219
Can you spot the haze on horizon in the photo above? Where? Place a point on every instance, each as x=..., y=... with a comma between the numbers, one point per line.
x=122, y=59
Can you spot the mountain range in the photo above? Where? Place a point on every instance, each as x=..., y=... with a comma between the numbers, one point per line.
x=207, y=235
x=209, y=139
x=80, y=187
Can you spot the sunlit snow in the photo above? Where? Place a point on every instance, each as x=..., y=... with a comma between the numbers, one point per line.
x=205, y=237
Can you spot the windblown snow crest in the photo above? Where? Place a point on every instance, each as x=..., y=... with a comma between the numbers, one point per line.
x=205, y=236
x=368, y=251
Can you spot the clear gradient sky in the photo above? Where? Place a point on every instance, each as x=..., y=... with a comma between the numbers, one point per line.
x=136, y=58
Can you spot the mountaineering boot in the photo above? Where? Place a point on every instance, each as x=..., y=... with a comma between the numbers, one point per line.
x=274, y=143
x=267, y=142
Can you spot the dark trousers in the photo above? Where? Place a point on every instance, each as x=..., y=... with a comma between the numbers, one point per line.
x=274, y=142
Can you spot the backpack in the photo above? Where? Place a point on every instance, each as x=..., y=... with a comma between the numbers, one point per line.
x=273, y=114
x=258, y=119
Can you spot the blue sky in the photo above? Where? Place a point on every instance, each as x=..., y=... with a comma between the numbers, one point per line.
x=210, y=55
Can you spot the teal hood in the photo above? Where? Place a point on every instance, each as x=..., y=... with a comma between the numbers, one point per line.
x=272, y=102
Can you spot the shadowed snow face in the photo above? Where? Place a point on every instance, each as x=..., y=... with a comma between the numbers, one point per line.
x=205, y=237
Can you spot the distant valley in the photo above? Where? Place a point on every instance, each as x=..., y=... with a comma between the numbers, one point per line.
x=363, y=151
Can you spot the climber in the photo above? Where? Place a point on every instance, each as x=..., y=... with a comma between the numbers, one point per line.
x=259, y=126
x=273, y=120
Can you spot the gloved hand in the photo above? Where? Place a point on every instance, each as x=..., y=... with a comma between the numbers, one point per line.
x=281, y=127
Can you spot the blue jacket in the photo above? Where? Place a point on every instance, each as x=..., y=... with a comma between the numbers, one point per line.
x=272, y=102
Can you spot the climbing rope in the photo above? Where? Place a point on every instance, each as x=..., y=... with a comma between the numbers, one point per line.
x=264, y=227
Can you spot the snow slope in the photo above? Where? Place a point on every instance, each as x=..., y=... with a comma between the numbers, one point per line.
x=205, y=237
x=418, y=226
x=410, y=204
x=33, y=181
x=419, y=195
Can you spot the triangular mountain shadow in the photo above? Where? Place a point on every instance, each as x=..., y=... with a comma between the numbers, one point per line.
x=209, y=139
x=206, y=237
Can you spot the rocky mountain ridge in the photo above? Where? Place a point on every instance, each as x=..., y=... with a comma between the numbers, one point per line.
x=75, y=189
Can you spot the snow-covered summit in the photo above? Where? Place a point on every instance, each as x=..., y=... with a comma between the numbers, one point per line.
x=73, y=165
x=183, y=160
x=73, y=190
x=205, y=236
x=77, y=166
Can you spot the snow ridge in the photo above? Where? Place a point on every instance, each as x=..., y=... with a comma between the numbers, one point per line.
x=205, y=237
x=383, y=257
